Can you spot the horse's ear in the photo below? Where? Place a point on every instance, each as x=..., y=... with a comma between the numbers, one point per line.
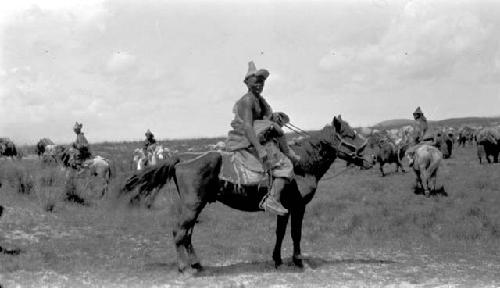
x=340, y=117
x=336, y=123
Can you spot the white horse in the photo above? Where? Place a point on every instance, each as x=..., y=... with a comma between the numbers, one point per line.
x=157, y=153
x=153, y=156
x=95, y=167
x=139, y=158
x=219, y=146
x=425, y=160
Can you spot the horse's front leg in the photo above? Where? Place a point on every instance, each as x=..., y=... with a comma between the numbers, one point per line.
x=381, y=167
x=297, y=217
x=281, y=223
x=418, y=182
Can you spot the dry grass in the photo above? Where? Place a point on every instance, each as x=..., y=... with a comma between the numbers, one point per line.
x=353, y=215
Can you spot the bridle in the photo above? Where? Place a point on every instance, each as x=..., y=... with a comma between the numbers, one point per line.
x=304, y=133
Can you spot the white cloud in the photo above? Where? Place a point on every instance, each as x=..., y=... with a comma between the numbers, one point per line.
x=120, y=61
x=426, y=41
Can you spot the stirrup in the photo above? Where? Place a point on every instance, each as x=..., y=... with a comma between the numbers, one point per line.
x=261, y=203
x=278, y=208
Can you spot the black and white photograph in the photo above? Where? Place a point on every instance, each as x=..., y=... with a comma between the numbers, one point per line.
x=249, y=143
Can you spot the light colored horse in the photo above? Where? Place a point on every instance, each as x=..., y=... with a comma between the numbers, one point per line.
x=219, y=146
x=159, y=153
x=425, y=160
x=95, y=167
x=139, y=158
x=153, y=156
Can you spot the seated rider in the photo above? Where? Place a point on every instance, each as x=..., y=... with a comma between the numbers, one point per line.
x=149, y=144
x=421, y=134
x=251, y=126
x=150, y=141
x=80, y=147
x=421, y=127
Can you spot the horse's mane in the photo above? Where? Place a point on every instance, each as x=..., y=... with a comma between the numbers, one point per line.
x=313, y=152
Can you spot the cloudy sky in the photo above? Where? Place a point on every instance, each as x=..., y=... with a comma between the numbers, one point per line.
x=121, y=67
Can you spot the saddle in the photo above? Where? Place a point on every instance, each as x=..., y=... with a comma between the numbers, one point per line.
x=243, y=168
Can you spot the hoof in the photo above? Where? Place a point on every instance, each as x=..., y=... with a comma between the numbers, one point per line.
x=182, y=268
x=298, y=262
x=277, y=263
x=197, y=267
x=16, y=251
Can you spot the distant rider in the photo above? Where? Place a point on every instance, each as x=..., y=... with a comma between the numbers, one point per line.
x=80, y=147
x=149, y=144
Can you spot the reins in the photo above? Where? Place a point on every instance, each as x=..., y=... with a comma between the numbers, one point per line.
x=297, y=130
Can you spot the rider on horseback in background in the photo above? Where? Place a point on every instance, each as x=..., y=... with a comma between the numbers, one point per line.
x=421, y=134
x=80, y=147
x=149, y=144
x=254, y=134
x=421, y=127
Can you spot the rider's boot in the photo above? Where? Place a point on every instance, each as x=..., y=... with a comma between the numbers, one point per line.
x=272, y=202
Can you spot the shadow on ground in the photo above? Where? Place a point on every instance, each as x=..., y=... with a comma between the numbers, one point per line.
x=268, y=266
x=438, y=192
x=287, y=267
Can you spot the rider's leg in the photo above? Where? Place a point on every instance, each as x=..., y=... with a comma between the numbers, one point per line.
x=272, y=202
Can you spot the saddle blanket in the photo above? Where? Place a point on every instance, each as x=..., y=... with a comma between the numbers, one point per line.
x=242, y=168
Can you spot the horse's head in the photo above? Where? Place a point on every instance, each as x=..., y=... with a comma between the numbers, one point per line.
x=350, y=145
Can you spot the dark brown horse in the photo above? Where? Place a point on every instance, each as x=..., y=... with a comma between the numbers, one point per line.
x=198, y=184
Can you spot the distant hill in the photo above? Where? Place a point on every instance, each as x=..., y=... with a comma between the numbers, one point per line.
x=389, y=124
x=452, y=122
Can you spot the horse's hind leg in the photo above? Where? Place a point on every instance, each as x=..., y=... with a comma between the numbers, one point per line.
x=297, y=217
x=281, y=224
x=425, y=180
x=399, y=165
x=182, y=236
x=418, y=182
x=433, y=174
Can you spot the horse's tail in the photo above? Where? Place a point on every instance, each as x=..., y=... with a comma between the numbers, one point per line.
x=153, y=177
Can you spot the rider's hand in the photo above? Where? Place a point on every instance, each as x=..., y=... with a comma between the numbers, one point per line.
x=293, y=157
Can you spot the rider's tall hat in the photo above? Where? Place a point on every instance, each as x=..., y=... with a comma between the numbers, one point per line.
x=149, y=133
x=418, y=111
x=77, y=126
x=252, y=71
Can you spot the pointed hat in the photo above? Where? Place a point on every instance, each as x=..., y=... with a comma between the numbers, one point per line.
x=252, y=71
x=77, y=126
x=418, y=111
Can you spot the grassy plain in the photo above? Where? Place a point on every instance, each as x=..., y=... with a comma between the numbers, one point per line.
x=361, y=230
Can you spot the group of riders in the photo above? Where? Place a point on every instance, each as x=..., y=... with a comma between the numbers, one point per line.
x=256, y=133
